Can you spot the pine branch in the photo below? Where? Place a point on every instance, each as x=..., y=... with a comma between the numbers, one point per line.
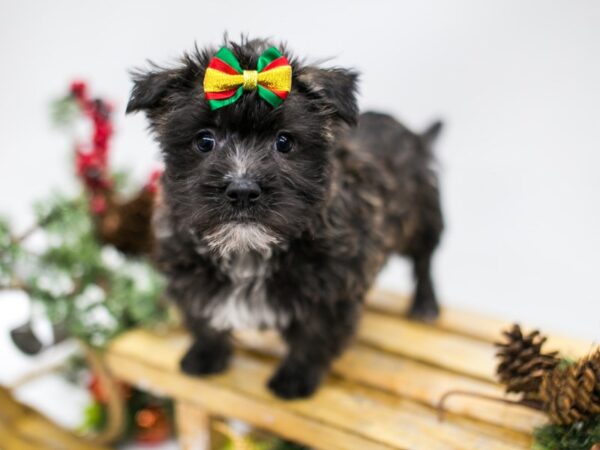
x=16, y=240
x=41, y=223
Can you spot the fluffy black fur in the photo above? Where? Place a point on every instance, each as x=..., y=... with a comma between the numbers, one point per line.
x=352, y=190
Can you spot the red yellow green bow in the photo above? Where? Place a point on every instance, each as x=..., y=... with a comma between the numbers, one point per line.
x=225, y=81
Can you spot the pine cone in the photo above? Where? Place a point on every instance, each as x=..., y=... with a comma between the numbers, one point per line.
x=128, y=224
x=572, y=394
x=522, y=364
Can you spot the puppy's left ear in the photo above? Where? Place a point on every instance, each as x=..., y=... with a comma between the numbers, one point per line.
x=335, y=89
x=151, y=88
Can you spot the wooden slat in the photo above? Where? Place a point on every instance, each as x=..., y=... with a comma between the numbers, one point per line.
x=426, y=384
x=434, y=346
x=472, y=324
x=50, y=435
x=226, y=402
x=424, y=343
x=9, y=408
x=339, y=410
x=415, y=380
x=22, y=428
x=9, y=440
x=193, y=426
x=467, y=323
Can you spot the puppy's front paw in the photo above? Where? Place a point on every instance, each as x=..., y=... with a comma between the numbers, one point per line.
x=206, y=359
x=292, y=380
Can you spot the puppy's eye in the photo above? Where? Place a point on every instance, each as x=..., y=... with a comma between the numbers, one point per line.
x=205, y=141
x=284, y=143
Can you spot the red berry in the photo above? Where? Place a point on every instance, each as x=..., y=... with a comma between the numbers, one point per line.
x=78, y=89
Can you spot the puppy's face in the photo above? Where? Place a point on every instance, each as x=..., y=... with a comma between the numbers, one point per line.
x=246, y=176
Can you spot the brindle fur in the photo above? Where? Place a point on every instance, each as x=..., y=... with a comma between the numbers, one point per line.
x=354, y=190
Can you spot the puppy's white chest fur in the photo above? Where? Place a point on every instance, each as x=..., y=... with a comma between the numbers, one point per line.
x=243, y=305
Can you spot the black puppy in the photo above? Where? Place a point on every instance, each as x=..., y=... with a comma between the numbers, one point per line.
x=280, y=216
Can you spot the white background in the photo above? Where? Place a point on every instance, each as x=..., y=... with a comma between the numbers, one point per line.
x=517, y=83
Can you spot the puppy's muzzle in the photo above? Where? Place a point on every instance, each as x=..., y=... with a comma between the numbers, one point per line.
x=243, y=192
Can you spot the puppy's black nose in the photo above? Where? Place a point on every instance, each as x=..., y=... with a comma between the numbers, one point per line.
x=243, y=192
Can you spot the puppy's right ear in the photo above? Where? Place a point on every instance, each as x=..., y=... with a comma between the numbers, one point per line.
x=151, y=88
x=335, y=89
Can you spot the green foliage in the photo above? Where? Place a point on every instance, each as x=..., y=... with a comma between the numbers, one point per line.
x=92, y=288
x=94, y=417
x=9, y=253
x=96, y=413
x=121, y=180
x=253, y=444
x=267, y=443
x=281, y=444
x=579, y=436
x=64, y=111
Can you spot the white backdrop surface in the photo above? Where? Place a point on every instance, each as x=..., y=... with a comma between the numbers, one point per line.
x=517, y=83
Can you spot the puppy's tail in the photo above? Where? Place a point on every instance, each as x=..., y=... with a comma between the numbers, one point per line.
x=431, y=133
